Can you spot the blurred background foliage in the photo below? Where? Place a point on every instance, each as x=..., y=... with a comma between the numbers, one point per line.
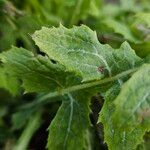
x=115, y=21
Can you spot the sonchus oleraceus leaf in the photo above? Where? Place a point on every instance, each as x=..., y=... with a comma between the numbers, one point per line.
x=69, y=129
x=126, y=117
x=38, y=73
x=79, y=50
x=75, y=50
x=133, y=102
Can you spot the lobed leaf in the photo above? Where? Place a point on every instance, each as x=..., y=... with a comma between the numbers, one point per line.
x=132, y=104
x=38, y=73
x=79, y=50
x=72, y=56
x=126, y=117
x=69, y=128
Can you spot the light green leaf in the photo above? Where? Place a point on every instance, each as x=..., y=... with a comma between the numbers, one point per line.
x=110, y=11
x=95, y=7
x=128, y=5
x=79, y=11
x=120, y=28
x=141, y=27
x=143, y=18
x=79, y=50
x=76, y=10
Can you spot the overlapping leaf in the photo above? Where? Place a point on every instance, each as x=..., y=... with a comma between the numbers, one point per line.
x=69, y=128
x=126, y=118
x=70, y=53
x=38, y=73
x=79, y=57
x=133, y=103
x=79, y=50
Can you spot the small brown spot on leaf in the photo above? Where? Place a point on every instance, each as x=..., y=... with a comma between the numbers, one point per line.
x=101, y=69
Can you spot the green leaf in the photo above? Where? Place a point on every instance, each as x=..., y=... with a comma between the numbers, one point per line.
x=38, y=73
x=132, y=104
x=70, y=55
x=147, y=59
x=95, y=7
x=117, y=139
x=142, y=49
x=120, y=28
x=141, y=27
x=143, y=18
x=69, y=128
x=79, y=50
x=76, y=10
x=146, y=143
x=122, y=127
x=8, y=35
x=79, y=11
x=9, y=82
x=128, y=5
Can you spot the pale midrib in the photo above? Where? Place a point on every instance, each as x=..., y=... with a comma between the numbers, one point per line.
x=70, y=118
x=64, y=91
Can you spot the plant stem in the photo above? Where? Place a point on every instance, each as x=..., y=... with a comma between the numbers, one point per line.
x=45, y=99
x=32, y=126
